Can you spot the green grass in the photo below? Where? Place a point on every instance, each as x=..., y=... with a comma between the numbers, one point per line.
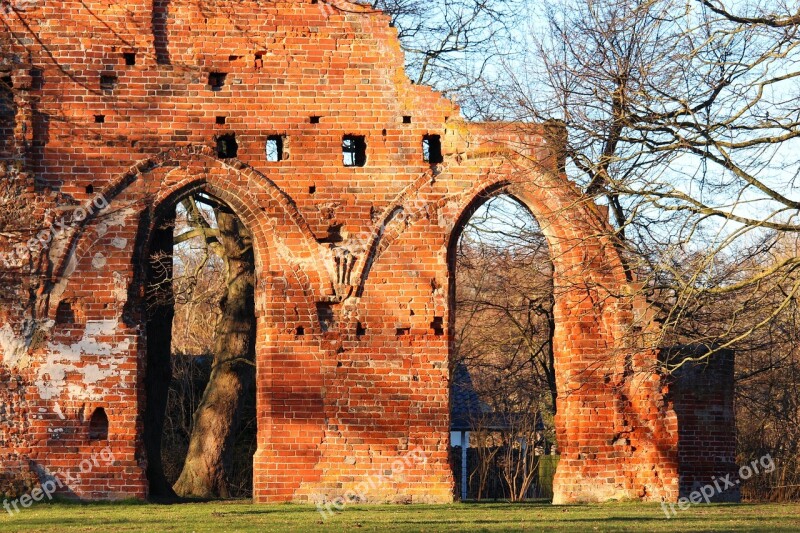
x=457, y=517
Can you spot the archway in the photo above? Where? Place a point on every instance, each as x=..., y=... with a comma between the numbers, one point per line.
x=614, y=425
x=147, y=195
x=200, y=278
x=502, y=389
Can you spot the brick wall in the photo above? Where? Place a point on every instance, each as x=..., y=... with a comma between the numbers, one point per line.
x=702, y=393
x=120, y=110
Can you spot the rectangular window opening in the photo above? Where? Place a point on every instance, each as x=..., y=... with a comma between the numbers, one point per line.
x=221, y=120
x=407, y=119
x=275, y=148
x=65, y=314
x=432, y=149
x=216, y=80
x=326, y=315
x=37, y=79
x=130, y=58
x=99, y=119
x=108, y=82
x=227, y=146
x=354, y=150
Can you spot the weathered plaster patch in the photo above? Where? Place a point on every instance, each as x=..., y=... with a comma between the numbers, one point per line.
x=120, y=287
x=63, y=360
x=72, y=264
x=115, y=218
x=17, y=257
x=14, y=347
x=98, y=261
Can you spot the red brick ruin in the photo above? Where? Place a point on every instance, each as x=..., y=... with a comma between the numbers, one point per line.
x=121, y=109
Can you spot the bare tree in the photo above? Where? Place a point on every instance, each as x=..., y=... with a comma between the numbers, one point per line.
x=504, y=327
x=453, y=44
x=767, y=327
x=520, y=462
x=487, y=448
x=682, y=119
x=504, y=306
x=223, y=246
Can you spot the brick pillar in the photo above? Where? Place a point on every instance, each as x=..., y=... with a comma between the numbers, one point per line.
x=702, y=395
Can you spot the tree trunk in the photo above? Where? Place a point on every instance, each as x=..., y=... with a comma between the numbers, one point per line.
x=216, y=419
x=160, y=312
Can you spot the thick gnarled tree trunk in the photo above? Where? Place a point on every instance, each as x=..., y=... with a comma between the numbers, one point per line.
x=216, y=419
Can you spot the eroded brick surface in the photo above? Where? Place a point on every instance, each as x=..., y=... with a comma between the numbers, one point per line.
x=119, y=108
x=702, y=394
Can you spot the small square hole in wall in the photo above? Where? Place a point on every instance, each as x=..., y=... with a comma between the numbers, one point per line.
x=67, y=313
x=37, y=79
x=90, y=189
x=220, y=121
x=129, y=58
x=314, y=119
x=312, y=189
x=274, y=148
x=438, y=326
x=407, y=119
x=108, y=82
x=99, y=119
x=300, y=331
x=326, y=316
x=216, y=80
x=227, y=147
x=402, y=332
x=361, y=330
x=432, y=149
x=8, y=109
x=354, y=150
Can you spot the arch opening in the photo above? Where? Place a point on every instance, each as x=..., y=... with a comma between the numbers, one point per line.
x=98, y=425
x=199, y=380
x=502, y=390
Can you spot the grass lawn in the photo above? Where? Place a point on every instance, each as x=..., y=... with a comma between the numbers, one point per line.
x=456, y=517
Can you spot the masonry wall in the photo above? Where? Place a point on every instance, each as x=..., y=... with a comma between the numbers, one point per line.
x=119, y=110
x=703, y=395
